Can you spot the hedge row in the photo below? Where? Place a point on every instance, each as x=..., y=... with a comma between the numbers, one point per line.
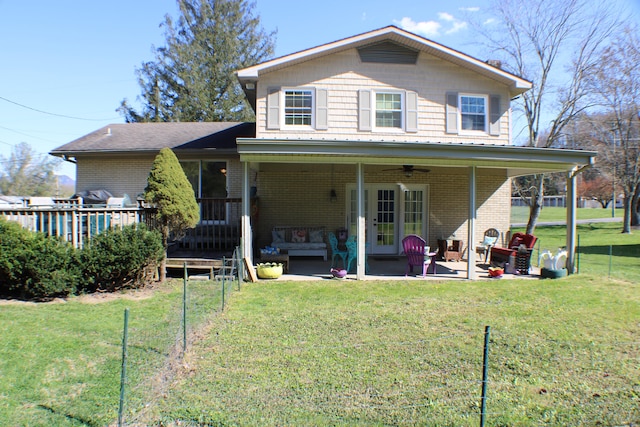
x=36, y=266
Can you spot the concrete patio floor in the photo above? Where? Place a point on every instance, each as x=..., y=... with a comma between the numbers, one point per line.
x=389, y=268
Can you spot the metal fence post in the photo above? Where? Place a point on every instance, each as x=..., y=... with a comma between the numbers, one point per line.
x=485, y=371
x=184, y=311
x=123, y=369
x=224, y=274
x=578, y=256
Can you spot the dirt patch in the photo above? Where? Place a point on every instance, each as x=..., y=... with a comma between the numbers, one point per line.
x=97, y=298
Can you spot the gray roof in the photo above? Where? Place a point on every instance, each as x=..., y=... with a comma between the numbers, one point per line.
x=151, y=137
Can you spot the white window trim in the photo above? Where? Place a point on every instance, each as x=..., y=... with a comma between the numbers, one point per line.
x=403, y=109
x=486, y=114
x=283, y=97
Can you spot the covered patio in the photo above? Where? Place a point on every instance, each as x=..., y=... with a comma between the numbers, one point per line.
x=469, y=163
x=391, y=268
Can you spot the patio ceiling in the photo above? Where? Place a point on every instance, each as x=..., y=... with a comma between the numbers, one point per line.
x=515, y=161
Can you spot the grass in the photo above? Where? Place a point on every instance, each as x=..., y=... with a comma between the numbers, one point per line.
x=342, y=353
x=520, y=214
x=398, y=353
x=60, y=362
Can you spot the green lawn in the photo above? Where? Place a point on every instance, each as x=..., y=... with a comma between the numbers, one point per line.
x=520, y=214
x=342, y=353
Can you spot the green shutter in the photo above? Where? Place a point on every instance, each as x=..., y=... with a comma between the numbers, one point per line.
x=411, y=100
x=364, y=110
x=451, y=112
x=322, y=109
x=273, y=108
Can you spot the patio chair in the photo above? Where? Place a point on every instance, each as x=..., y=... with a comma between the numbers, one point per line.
x=489, y=241
x=417, y=252
x=454, y=251
x=352, y=253
x=336, y=252
x=521, y=256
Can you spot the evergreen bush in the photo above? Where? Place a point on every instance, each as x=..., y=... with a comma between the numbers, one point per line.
x=120, y=258
x=34, y=265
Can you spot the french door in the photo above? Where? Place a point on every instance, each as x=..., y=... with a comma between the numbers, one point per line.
x=391, y=212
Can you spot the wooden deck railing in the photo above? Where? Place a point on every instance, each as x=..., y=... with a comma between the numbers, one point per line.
x=218, y=229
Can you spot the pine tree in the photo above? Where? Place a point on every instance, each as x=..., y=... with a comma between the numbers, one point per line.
x=170, y=191
x=193, y=76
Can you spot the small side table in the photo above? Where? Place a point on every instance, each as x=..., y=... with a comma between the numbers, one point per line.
x=283, y=258
x=432, y=265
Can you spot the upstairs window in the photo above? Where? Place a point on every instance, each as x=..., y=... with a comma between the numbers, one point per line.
x=389, y=110
x=298, y=107
x=473, y=113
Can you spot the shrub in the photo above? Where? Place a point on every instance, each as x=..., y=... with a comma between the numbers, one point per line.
x=120, y=258
x=35, y=266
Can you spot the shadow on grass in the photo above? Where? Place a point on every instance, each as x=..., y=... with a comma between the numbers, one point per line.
x=68, y=416
x=632, y=251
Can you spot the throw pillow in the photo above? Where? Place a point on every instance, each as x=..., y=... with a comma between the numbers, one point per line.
x=315, y=235
x=298, y=235
x=277, y=236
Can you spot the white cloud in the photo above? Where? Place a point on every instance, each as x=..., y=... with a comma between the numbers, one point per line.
x=489, y=21
x=425, y=28
x=446, y=22
x=457, y=26
x=469, y=9
x=444, y=16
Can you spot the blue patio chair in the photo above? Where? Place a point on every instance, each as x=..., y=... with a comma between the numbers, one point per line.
x=336, y=252
x=352, y=249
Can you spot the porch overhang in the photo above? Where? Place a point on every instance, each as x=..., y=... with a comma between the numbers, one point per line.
x=514, y=160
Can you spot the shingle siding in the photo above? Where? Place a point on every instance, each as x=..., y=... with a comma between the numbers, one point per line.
x=342, y=74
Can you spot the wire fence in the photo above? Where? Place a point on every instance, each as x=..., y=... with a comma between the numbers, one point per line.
x=518, y=383
x=154, y=346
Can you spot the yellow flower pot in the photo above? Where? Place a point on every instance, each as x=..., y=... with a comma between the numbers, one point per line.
x=269, y=270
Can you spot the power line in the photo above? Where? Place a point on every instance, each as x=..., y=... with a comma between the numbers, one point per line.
x=54, y=114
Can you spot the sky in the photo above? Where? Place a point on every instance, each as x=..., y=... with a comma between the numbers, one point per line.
x=66, y=65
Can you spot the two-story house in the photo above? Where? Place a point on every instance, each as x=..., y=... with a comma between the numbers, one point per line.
x=384, y=133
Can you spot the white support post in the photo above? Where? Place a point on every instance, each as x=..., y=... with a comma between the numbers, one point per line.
x=361, y=232
x=571, y=220
x=247, y=246
x=471, y=226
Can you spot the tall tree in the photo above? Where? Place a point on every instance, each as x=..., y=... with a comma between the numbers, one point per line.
x=553, y=44
x=169, y=190
x=193, y=76
x=28, y=173
x=615, y=85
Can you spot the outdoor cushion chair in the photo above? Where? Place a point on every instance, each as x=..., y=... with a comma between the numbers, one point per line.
x=336, y=252
x=519, y=250
x=417, y=252
x=489, y=241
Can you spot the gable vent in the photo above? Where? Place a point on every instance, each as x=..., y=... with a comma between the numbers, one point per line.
x=388, y=53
